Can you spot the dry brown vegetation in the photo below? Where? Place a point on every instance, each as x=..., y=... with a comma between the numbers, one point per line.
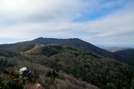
x=62, y=67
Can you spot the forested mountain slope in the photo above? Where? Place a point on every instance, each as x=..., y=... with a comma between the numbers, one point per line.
x=127, y=55
x=76, y=69
x=82, y=45
x=72, y=42
x=75, y=43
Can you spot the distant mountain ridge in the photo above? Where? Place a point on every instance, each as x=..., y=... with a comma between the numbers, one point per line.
x=126, y=54
x=114, y=49
x=75, y=43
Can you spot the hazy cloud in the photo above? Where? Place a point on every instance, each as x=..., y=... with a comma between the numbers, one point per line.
x=108, y=22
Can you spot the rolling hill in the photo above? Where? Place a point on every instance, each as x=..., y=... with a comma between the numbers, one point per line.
x=127, y=55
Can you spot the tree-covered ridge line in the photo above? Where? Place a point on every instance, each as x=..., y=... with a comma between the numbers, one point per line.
x=75, y=43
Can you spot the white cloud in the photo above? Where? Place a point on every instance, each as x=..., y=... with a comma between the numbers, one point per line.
x=25, y=9
x=50, y=18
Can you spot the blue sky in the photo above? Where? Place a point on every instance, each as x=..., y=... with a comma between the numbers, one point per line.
x=100, y=22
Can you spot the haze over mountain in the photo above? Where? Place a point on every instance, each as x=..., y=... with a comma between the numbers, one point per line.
x=114, y=49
